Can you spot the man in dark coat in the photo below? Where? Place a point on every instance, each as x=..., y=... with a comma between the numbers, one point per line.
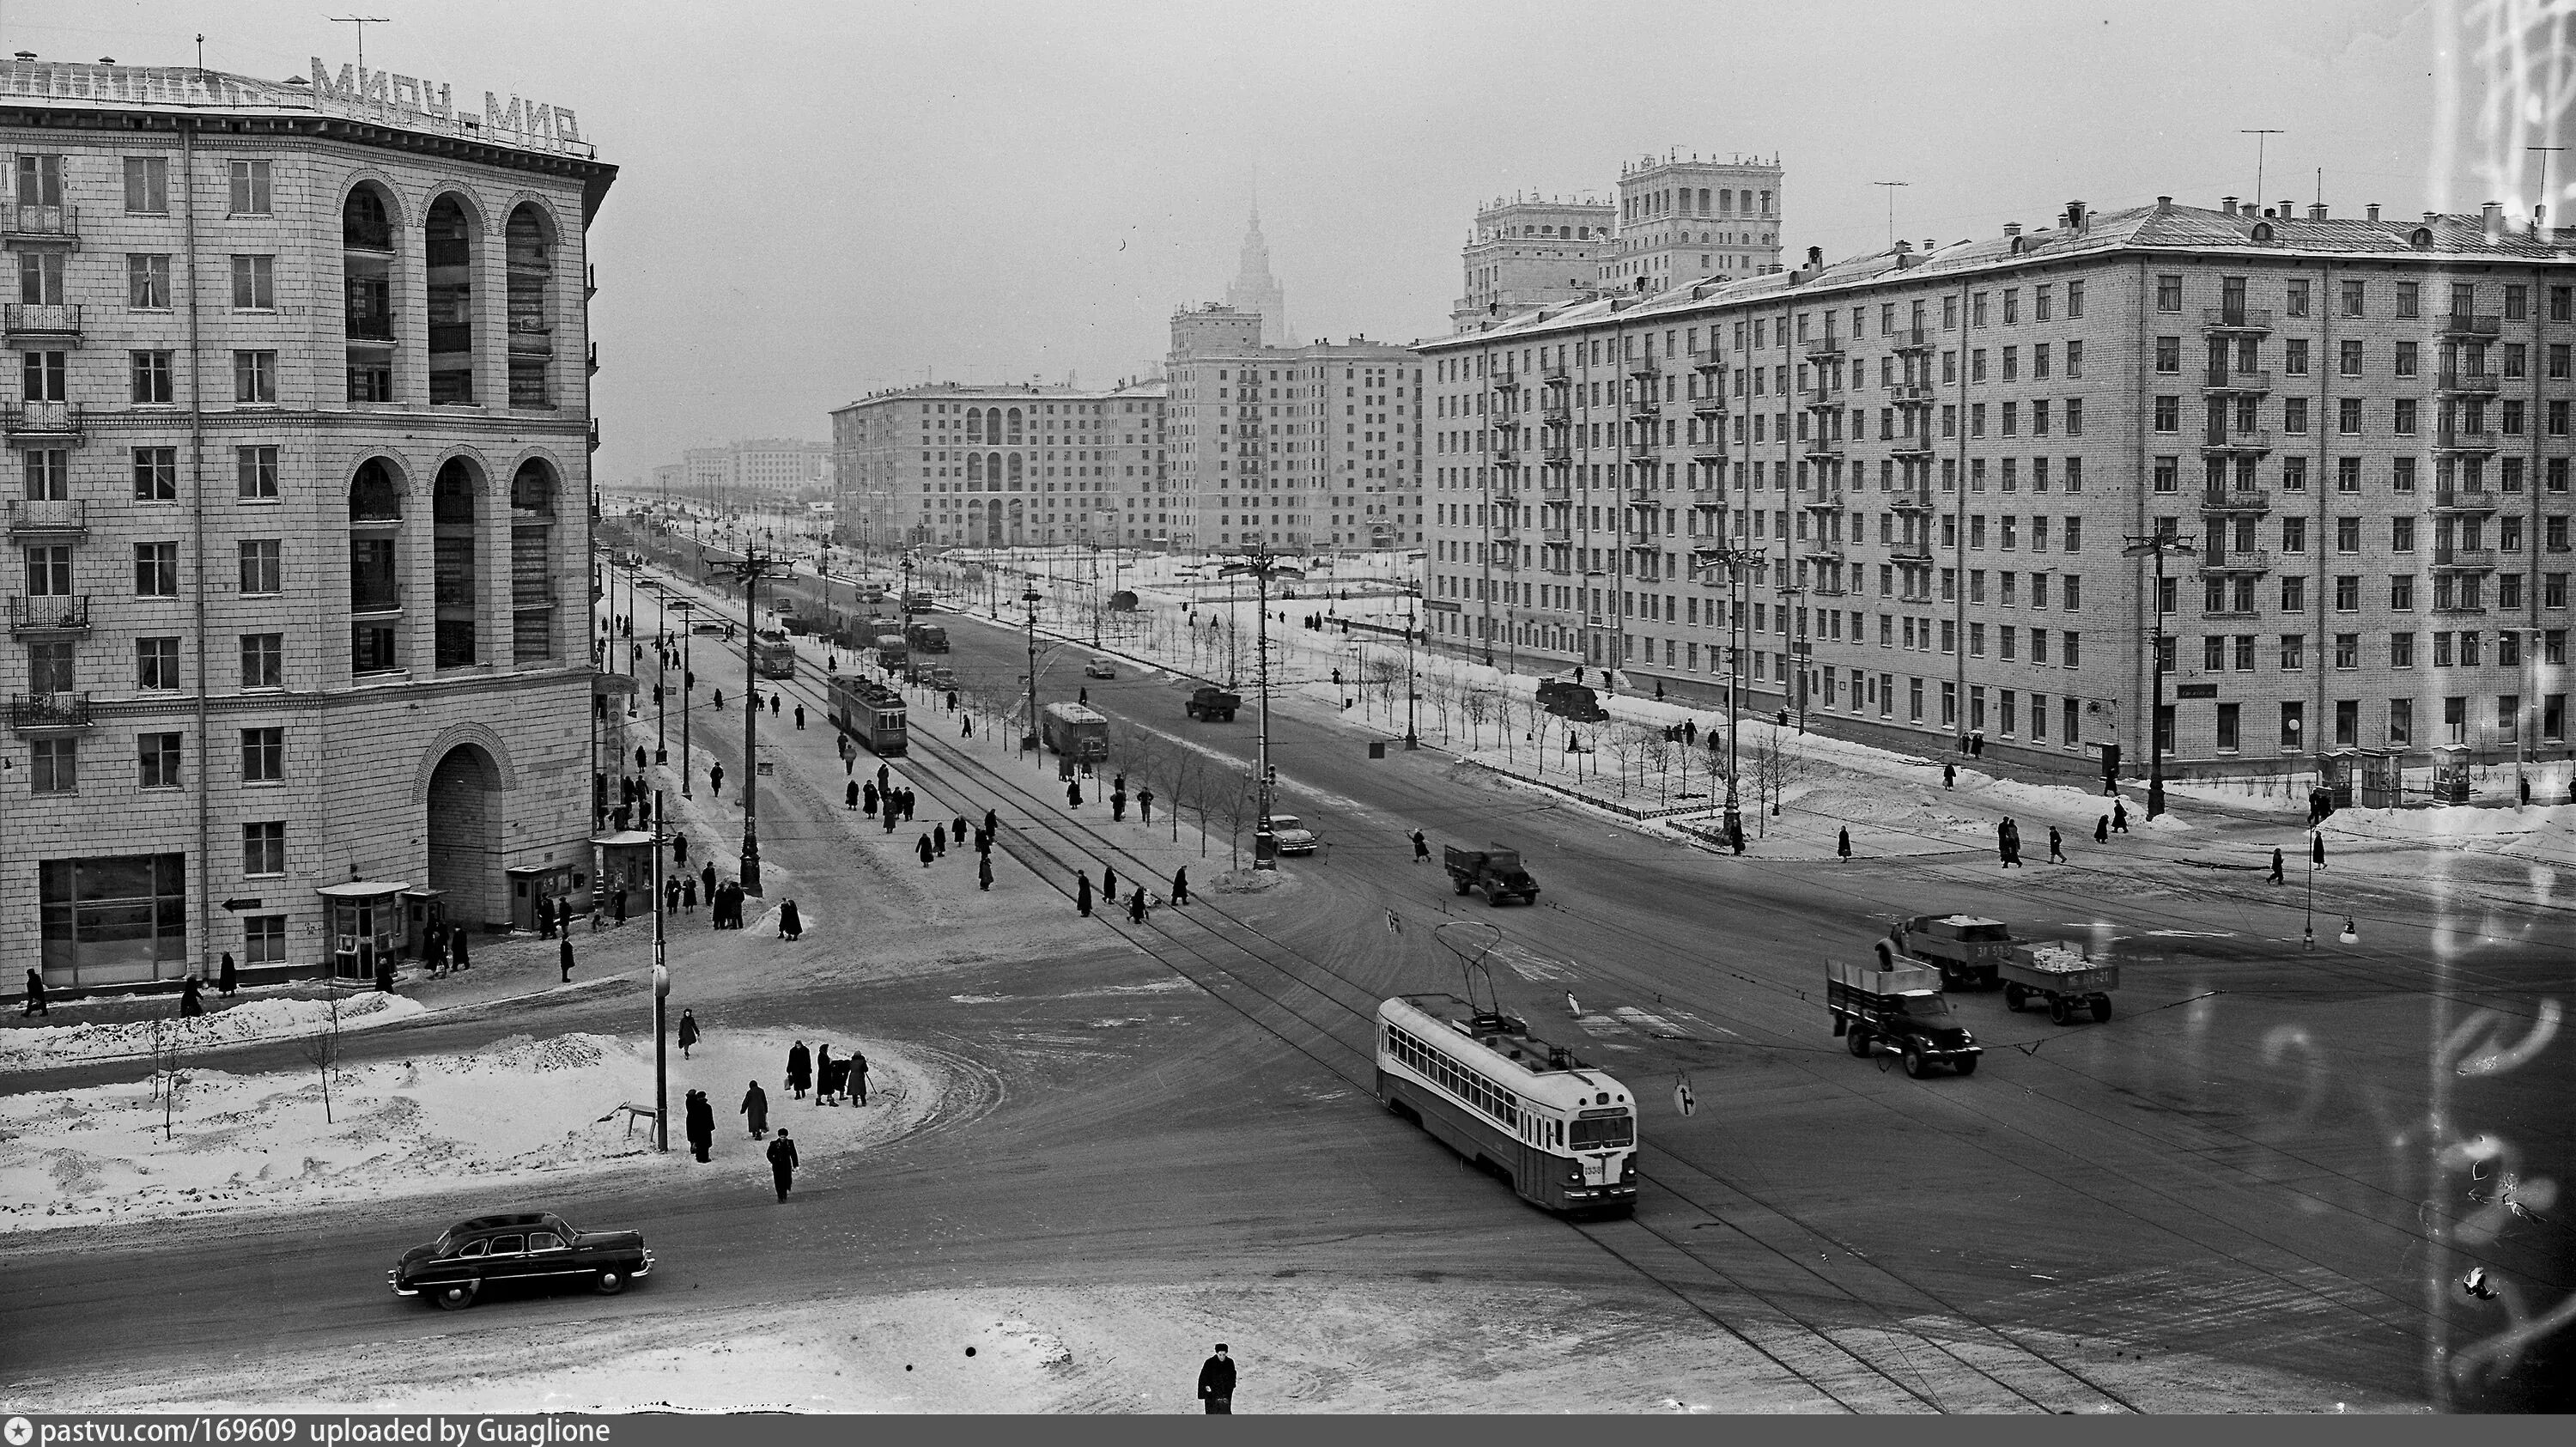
x=1117, y=806
x=800, y=1069
x=957, y=829
x=1073, y=794
x=707, y=880
x=823, y=1074
x=563, y=956
x=883, y=776
x=2119, y=816
x=782, y=1163
x=459, y=951
x=620, y=898
x=939, y=842
x=1109, y=883
x=190, y=1004
x=1082, y=894
x=679, y=848
x=992, y=823
x=856, y=1081
x=225, y=977
x=2056, y=846
x=715, y=780
x=670, y=896
x=35, y=1004
x=2277, y=861
x=888, y=812
x=791, y=924
x=688, y=1032
x=1421, y=847
x=1145, y=805
x=922, y=848
x=545, y=917
x=1842, y=844
x=2102, y=830
x=700, y=1119
x=755, y=1110
x=868, y=800
x=1949, y=776
x=850, y=796
x=1216, y=1383
x=984, y=872
x=1181, y=885
x=1136, y=905
x=908, y=802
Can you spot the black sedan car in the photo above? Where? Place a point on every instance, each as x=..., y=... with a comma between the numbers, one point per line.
x=528, y=1249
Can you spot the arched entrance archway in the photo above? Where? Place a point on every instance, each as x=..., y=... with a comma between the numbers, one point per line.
x=464, y=835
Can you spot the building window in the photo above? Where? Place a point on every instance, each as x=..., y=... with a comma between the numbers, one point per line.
x=255, y=473
x=254, y=283
x=263, y=660
x=264, y=849
x=260, y=566
x=255, y=377
x=264, y=939
x=156, y=663
x=147, y=282
x=54, y=766
x=2169, y=293
x=113, y=914
x=156, y=474
x=250, y=196
x=157, y=757
x=151, y=377
x=2169, y=354
x=147, y=185
x=2168, y=414
x=156, y=570
x=263, y=756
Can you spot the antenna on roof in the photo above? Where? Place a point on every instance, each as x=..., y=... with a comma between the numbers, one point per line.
x=362, y=22
x=1891, y=206
x=2260, y=136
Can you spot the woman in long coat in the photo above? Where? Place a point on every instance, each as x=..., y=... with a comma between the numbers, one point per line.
x=790, y=923
x=701, y=1121
x=1082, y=894
x=755, y=1110
x=822, y=1072
x=800, y=1069
x=688, y=1032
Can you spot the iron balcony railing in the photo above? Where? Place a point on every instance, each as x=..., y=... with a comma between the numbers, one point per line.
x=49, y=711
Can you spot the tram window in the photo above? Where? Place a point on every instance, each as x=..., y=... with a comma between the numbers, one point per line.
x=1604, y=1131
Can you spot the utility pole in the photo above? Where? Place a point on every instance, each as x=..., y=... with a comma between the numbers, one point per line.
x=2157, y=544
x=661, y=994
x=1733, y=560
x=2260, y=136
x=1891, y=187
x=661, y=675
x=1413, y=591
x=1261, y=566
x=2540, y=210
x=748, y=571
x=688, y=687
x=1033, y=736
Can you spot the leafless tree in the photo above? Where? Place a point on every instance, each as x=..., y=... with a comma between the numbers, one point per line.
x=322, y=1050
x=1626, y=746
x=1436, y=691
x=1774, y=769
x=1384, y=675
x=1476, y=705
x=166, y=1037
x=1656, y=753
x=1237, y=800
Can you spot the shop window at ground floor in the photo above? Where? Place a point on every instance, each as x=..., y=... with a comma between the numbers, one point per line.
x=115, y=919
x=264, y=939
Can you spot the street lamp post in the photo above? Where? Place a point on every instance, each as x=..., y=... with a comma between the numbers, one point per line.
x=688, y=686
x=1733, y=560
x=1413, y=593
x=2157, y=544
x=661, y=993
x=661, y=675
x=753, y=566
x=1261, y=566
x=1029, y=737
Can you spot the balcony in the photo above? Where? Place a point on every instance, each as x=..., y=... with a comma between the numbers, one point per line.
x=1818, y=399
x=2219, y=379
x=1507, y=451
x=2467, y=560
x=1645, y=406
x=42, y=422
x=1911, y=502
x=1712, y=451
x=2456, y=609
x=1556, y=489
x=2483, y=384
x=1710, y=405
x=1645, y=367
x=2461, y=439
x=1709, y=497
x=1821, y=552
x=370, y=327
x=1909, y=394
x=594, y=360
x=374, y=595
x=1507, y=533
x=1911, y=550
x=1556, y=537
x=1555, y=410
x=594, y=434
x=1644, y=448
x=1706, y=360
x=44, y=323
x=2466, y=327
x=42, y=224
x=1827, y=345
x=1507, y=382
x=1912, y=339
x=2256, y=441
x=2452, y=499
x=1823, y=449
x=1555, y=374
x=2234, y=500
x=49, y=613
x=2236, y=319
x=1827, y=499
x=451, y=337
x=2252, y=560
x=48, y=517
x=1556, y=454
x=33, y=713
x=531, y=339
x=1918, y=445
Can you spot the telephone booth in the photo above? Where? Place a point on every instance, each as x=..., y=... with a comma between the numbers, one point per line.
x=531, y=882
x=364, y=923
x=2450, y=775
x=2383, y=780
x=625, y=858
x=2335, y=774
x=424, y=911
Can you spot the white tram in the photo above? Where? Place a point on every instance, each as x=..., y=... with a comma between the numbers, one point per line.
x=1564, y=1132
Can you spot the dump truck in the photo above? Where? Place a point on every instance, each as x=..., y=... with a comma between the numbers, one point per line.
x=1494, y=871
x=926, y=638
x=1075, y=731
x=1212, y=703
x=1968, y=951
x=1893, y=1006
x=2063, y=975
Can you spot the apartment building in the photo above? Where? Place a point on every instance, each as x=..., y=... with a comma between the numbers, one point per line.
x=1301, y=449
x=1682, y=219
x=1006, y=466
x=298, y=640
x=760, y=471
x=1900, y=495
x=1526, y=253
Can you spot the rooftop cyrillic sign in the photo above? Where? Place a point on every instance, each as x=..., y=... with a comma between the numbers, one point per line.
x=377, y=96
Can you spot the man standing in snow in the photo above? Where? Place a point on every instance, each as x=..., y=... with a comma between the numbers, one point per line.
x=856, y=1082
x=782, y=1163
x=755, y=1109
x=1216, y=1383
x=563, y=956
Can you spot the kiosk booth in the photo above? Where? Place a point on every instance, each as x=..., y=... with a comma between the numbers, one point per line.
x=424, y=910
x=532, y=882
x=2383, y=780
x=364, y=920
x=2335, y=775
x=625, y=860
x=2451, y=774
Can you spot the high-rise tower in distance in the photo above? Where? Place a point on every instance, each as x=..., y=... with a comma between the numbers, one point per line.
x=1256, y=290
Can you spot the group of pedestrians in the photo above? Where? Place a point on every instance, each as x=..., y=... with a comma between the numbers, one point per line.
x=832, y=1081
x=1138, y=900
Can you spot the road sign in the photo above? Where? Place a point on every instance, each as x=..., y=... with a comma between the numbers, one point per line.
x=238, y=904
x=1683, y=1100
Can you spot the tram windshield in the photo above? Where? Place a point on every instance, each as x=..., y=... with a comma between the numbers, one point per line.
x=1600, y=1132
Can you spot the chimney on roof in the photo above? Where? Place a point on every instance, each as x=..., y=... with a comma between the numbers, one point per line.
x=2491, y=216
x=2371, y=212
x=2317, y=212
x=2012, y=228
x=2227, y=205
x=26, y=55
x=1931, y=244
x=2075, y=216
x=2286, y=212
x=2164, y=203
x=1815, y=258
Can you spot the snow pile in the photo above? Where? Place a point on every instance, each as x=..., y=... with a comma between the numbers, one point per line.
x=523, y=1106
x=2544, y=830
x=31, y=1049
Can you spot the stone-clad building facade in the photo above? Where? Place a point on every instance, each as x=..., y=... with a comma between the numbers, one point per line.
x=950, y=465
x=299, y=450
x=1921, y=469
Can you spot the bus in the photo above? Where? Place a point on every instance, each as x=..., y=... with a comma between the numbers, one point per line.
x=869, y=712
x=1075, y=731
x=1563, y=1133
x=773, y=654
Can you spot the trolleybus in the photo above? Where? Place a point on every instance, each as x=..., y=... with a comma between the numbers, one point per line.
x=869, y=712
x=1075, y=731
x=773, y=654
x=1564, y=1133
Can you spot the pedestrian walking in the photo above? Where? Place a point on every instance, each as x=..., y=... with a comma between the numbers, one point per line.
x=957, y=828
x=719, y=700
x=2003, y=843
x=1073, y=794
x=2119, y=816
x=1082, y=894
x=679, y=848
x=1949, y=775
x=1842, y=844
x=850, y=796
x=822, y=1074
x=1136, y=905
x=707, y=880
x=2316, y=851
x=1145, y=805
x=2056, y=847
x=887, y=814
x=923, y=849
x=1421, y=847
x=984, y=872
x=639, y=758
x=884, y=778
x=225, y=977
x=2102, y=830
x=1118, y=806
x=791, y=924
x=773, y=704
x=965, y=726
x=689, y=896
x=670, y=897
x=1109, y=883
x=800, y=1069
x=701, y=1118
x=868, y=800
x=908, y=801
x=715, y=780
x=563, y=957
x=35, y=1001
x=849, y=763
x=2277, y=862
x=1216, y=1383
x=992, y=823
x=952, y=700
x=939, y=842
x=191, y=1004
x=463, y=954
x=1181, y=885
x=856, y=1081
x=688, y=1032
x=800, y=715
x=755, y=1110
x=782, y=1164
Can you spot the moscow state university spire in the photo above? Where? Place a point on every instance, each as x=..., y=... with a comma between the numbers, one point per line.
x=1256, y=290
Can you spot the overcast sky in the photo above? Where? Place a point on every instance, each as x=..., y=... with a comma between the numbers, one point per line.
x=820, y=198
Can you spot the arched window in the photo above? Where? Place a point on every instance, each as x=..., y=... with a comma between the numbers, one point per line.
x=532, y=489
x=532, y=569
x=974, y=424
x=1015, y=472
x=449, y=245
x=374, y=496
x=375, y=589
x=974, y=472
x=531, y=269
x=451, y=511
x=365, y=224
x=1015, y=427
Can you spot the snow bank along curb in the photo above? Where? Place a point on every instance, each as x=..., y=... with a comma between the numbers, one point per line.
x=37, y=1048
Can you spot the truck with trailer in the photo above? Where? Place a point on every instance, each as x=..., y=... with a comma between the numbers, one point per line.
x=1210, y=702
x=1893, y=1006
x=2063, y=975
x=1494, y=871
x=1075, y=731
x=1968, y=950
